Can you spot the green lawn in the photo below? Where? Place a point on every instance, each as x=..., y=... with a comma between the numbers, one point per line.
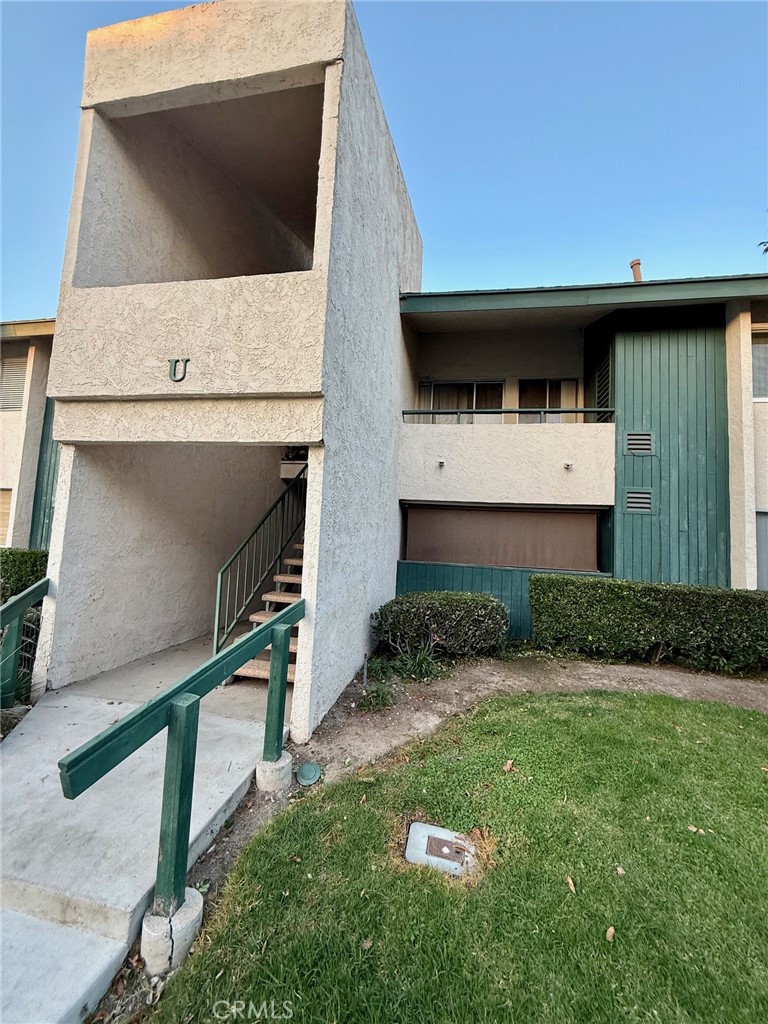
x=321, y=913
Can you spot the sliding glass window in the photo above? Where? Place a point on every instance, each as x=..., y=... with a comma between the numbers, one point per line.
x=455, y=396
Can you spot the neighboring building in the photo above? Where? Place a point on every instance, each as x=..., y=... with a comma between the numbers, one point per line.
x=28, y=454
x=664, y=479
x=240, y=236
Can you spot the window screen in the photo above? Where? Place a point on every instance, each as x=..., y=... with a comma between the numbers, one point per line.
x=760, y=366
x=762, y=550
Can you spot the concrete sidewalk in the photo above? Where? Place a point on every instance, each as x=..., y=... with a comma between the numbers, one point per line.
x=77, y=875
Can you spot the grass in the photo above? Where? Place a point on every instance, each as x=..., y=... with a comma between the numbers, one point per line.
x=321, y=912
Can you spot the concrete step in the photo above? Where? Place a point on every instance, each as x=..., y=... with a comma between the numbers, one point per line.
x=294, y=561
x=258, y=668
x=288, y=577
x=282, y=597
x=53, y=973
x=90, y=863
x=265, y=616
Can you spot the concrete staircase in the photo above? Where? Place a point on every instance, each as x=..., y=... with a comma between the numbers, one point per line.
x=287, y=591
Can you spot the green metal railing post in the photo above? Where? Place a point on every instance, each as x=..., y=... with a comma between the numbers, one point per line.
x=183, y=716
x=9, y=668
x=278, y=683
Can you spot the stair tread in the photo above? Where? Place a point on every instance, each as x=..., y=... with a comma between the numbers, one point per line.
x=265, y=616
x=281, y=597
x=288, y=577
x=293, y=561
x=293, y=646
x=259, y=669
x=299, y=547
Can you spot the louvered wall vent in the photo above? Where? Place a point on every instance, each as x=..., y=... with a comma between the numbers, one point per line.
x=640, y=442
x=13, y=372
x=639, y=501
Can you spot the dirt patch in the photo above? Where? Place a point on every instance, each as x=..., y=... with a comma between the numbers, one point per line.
x=10, y=718
x=348, y=739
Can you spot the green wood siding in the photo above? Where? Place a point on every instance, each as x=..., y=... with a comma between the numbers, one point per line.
x=672, y=383
x=510, y=586
x=45, y=484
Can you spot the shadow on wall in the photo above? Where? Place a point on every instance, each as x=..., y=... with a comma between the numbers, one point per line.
x=224, y=189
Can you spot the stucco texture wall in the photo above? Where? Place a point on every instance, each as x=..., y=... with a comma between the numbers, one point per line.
x=352, y=538
x=281, y=421
x=242, y=336
x=146, y=207
x=761, y=455
x=139, y=533
x=503, y=355
x=155, y=209
x=509, y=464
x=217, y=42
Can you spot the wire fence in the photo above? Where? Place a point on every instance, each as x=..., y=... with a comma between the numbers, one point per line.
x=30, y=633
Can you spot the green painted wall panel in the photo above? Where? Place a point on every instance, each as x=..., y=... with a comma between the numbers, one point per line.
x=673, y=384
x=45, y=483
x=510, y=586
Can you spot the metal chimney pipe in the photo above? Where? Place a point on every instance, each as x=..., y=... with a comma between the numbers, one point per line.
x=636, y=272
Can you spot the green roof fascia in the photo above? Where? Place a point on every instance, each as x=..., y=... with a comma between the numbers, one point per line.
x=679, y=290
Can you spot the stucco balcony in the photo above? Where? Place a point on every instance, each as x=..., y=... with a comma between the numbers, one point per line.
x=240, y=336
x=522, y=463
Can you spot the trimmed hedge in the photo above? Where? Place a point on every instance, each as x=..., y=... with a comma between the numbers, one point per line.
x=705, y=627
x=19, y=569
x=446, y=622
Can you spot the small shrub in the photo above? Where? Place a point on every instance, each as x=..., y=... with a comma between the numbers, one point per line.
x=381, y=668
x=705, y=627
x=19, y=569
x=377, y=695
x=418, y=666
x=441, y=623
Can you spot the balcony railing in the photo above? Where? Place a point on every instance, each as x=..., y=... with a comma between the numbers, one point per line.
x=448, y=416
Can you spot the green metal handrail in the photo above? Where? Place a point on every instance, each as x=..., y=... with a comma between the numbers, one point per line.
x=242, y=576
x=542, y=413
x=12, y=620
x=178, y=708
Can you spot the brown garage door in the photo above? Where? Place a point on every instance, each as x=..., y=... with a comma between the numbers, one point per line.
x=531, y=539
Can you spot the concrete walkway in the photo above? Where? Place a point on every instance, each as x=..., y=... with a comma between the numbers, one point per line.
x=77, y=875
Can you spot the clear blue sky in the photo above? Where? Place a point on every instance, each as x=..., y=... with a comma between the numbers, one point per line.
x=542, y=143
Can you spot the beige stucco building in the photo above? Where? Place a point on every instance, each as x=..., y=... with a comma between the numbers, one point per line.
x=27, y=456
x=242, y=274
x=238, y=205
